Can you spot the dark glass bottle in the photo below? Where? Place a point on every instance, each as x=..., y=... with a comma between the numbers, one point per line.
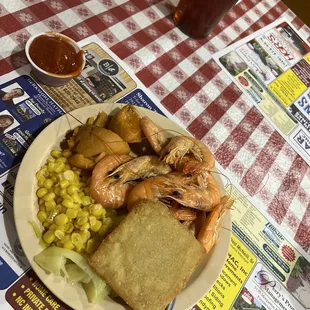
x=197, y=18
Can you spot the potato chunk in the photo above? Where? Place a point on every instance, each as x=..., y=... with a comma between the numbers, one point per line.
x=126, y=123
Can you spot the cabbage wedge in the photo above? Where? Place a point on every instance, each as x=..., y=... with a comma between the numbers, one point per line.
x=75, y=269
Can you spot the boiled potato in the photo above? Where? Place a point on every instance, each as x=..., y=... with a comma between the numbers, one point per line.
x=101, y=120
x=126, y=123
x=92, y=140
x=82, y=162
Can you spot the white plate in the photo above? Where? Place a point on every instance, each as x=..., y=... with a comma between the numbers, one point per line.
x=26, y=207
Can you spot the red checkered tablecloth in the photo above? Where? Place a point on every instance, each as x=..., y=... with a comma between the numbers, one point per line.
x=181, y=73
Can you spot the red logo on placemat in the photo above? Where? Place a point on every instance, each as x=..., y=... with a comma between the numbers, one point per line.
x=288, y=253
x=243, y=81
x=247, y=297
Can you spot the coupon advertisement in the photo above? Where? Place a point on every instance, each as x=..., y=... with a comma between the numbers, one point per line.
x=272, y=66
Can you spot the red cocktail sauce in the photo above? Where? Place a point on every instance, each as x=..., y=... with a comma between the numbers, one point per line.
x=55, y=55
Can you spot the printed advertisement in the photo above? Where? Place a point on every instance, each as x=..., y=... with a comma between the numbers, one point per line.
x=272, y=67
x=263, y=270
x=25, y=109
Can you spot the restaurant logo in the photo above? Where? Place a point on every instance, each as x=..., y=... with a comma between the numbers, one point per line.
x=281, y=46
x=243, y=81
x=288, y=253
x=273, y=235
x=108, y=67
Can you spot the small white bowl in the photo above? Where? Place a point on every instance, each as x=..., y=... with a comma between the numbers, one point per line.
x=48, y=78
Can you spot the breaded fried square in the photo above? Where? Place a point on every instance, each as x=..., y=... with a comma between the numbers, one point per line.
x=148, y=258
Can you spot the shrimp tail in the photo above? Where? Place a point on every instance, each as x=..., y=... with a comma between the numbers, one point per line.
x=154, y=135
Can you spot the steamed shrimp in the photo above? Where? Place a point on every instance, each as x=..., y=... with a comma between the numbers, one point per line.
x=105, y=190
x=114, y=176
x=185, y=189
x=209, y=233
x=141, y=167
x=194, y=154
x=153, y=134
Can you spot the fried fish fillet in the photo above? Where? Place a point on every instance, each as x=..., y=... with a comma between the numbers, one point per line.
x=148, y=258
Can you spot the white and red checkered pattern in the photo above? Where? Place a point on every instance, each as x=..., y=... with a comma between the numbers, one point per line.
x=181, y=73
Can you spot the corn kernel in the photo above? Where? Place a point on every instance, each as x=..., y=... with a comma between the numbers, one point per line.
x=65, y=239
x=51, y=167
x=72, y=213
x=86, y=201
x=67, y=203
x=59, y=167
x=97, y=210
x=56, y=153
x=72, y=189
x=41, y=182
x=96, y=226
x=85, y=235
x=83, y=214
x=42, y=216
x=42, y=207
x=81, y=220
x=103, y=230
x=69, y=228
x=59, y=234
x=84, y=226
x=92, y=220
x=53, y=226
x=50, y=205
x=76, y=240
x=61, y=160
x=68, y=245
x=49, y=236
x=41, y=192
x=49, y=196
x=69, y=175
x=64, y=184
x=90, y=246
x=46, y=224
x=61, y=219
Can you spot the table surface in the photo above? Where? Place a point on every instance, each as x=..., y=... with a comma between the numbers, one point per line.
x=181, y=73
